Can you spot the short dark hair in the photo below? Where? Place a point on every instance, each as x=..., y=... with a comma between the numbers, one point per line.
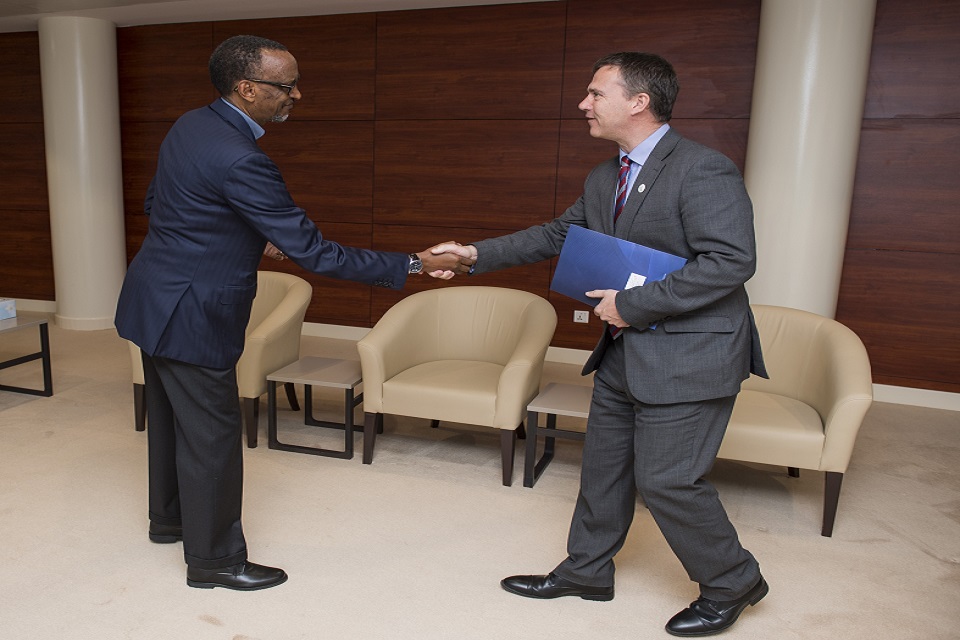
x=237, y=58
x=646, y=73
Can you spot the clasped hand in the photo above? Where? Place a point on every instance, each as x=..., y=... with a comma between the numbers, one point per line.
x=448, y=259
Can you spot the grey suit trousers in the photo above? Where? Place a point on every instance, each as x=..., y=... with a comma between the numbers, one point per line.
x=195, y=443
x=664, y=452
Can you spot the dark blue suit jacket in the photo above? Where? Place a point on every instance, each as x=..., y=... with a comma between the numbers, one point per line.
x=214, y=202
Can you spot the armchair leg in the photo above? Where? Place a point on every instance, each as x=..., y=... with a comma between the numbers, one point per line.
x=831, y=496
x=434, y=424
x=372, y=425
x=292, y=396
x=508, y=442
x=793, y=472
x=251, y=415
x=139, y=407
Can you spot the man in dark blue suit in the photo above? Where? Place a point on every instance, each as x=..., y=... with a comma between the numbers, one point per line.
x=214, y=204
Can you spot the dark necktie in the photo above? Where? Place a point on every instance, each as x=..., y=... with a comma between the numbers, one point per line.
x=621, y=186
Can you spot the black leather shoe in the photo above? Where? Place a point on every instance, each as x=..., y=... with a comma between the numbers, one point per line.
x=705, y=617
x=245, y=576
x=164, y=533
x=553, y=586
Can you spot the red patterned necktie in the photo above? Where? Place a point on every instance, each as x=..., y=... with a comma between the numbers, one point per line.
x=618, y=208
x=621, y=186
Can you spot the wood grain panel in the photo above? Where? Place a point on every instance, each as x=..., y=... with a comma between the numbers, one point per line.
x=335, y=55
x=163, y=70
x=500, y=61
x=907, y=186
x=728, y=135
x=335, y=301
x=328, y=167
x=904, y=306
x=915, y=60
x=23, y=168
x=26, y=256
x=20, y=78
x=139, y=146
x=534, y=278
x=480, y=174
x=711, y=45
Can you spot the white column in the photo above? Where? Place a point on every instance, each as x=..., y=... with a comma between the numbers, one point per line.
x=81, y=121
x=812, y=62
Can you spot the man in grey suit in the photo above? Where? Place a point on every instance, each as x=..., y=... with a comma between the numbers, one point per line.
x=672, y=355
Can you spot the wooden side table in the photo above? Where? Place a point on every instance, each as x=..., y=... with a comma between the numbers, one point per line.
x=15, y=324
x=555, y=399
x=313, y=371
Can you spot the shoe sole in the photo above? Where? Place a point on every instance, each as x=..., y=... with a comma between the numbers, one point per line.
x=210, y=585
x=603, y=597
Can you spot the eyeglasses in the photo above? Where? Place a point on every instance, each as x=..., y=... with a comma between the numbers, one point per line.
x=279, y=85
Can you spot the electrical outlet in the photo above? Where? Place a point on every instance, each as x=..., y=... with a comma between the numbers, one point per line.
x=581, y=316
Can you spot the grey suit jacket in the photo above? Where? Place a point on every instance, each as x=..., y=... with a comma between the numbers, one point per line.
x=693, y=204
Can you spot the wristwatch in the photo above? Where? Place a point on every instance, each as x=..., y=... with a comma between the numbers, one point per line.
x=416, y=264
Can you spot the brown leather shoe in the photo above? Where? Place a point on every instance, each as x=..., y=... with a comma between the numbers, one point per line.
x=245, y=576
x=553, y=586
x=705, y=617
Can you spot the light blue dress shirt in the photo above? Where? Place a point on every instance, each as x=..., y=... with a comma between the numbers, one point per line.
x=640, y=153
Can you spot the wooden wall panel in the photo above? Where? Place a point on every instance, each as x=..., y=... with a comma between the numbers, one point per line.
x=334, y=301
x=490, y=62
x=163, y=70
x=26, y=256
x=335, y=55
x=20, y=78
x=462, y=123
x=471, y=173
x=139, y=146
x=915, y=60
x=23, y=172
x=328, y=167
x=712, y=46
x=904, y=306
x=905, y=193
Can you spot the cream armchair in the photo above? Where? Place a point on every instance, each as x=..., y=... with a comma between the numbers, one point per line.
x=464, y=354
x=807, y=415
x=272, y=341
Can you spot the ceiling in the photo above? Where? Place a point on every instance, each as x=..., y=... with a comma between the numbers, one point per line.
x=22, y=15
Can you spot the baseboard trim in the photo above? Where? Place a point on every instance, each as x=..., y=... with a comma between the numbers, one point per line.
x=917, y=397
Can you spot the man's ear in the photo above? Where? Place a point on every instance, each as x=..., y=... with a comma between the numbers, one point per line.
x=246, y=90
x=641, y=102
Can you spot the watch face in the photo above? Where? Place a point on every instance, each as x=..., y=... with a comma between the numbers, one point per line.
x=416, y=265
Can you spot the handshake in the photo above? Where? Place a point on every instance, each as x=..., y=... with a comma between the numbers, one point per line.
x=448, y=259
x=443, y=261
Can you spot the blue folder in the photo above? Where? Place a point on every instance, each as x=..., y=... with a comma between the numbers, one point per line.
x=590, y=260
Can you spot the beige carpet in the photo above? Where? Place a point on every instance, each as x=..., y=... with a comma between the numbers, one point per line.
x=414, y=545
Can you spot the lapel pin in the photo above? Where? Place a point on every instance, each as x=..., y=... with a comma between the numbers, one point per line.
x=641, y=188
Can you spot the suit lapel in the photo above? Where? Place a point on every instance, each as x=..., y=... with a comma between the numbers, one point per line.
x=645, y=181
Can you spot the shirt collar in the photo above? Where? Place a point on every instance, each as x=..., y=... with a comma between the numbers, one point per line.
x=257, y=130
x=642, y=151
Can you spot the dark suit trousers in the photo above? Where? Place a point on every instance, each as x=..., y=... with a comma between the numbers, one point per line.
x=195, y=445
x=664, y=452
